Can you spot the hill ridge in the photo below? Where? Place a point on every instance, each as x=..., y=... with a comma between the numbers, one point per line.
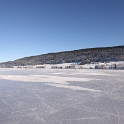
x=87, y=55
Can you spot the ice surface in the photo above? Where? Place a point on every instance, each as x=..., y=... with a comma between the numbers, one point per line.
x=55, y=96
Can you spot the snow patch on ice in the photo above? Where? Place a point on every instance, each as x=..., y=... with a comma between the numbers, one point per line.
x=56, y=81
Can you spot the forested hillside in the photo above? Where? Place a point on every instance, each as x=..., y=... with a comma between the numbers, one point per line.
x=104, y=54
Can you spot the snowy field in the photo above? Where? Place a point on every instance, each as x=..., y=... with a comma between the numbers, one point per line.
x=61, y=96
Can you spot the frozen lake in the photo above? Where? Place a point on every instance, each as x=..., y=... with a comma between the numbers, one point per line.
x=60, y=96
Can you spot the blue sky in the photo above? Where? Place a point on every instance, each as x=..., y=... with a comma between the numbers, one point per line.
x=34, y=27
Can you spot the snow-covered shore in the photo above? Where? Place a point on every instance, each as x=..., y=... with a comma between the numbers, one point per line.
x=110, y=65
